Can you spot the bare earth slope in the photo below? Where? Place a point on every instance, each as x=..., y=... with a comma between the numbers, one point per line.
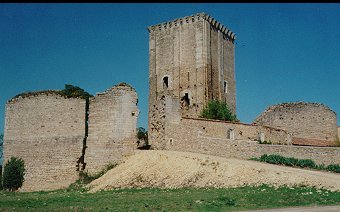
x=170, y=169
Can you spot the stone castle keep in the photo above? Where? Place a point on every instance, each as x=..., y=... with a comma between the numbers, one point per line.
x=191, y=61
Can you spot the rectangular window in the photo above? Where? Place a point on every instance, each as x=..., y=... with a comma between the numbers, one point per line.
x=225, y=87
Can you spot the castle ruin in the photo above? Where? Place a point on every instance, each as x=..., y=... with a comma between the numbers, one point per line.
x=192, y=61
x=58, y=136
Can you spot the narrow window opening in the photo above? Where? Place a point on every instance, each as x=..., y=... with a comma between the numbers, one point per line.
x=225, y=87
x=188, y=77
x=165, y=82
x=231, y=134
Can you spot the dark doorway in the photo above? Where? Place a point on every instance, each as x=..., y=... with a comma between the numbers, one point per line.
x=165, y=82
x=186, y=99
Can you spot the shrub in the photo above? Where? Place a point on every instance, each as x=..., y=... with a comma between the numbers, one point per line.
x=86, y=178
x=277, y=159
x=333, y=168
x=307, y=163
x=14, y=171
x=142, y=136
x=218, y=110
x=264, y=142
x=72, y=91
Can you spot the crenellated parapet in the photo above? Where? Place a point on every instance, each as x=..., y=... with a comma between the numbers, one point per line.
x=194, y=18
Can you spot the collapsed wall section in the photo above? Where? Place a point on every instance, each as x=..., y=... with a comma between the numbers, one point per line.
x=309, y=123
x=112, y=127
x=213, y=138
x=47, y=131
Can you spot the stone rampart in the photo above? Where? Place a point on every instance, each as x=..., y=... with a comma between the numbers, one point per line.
x=57, y=136
x=303, y=120
x=47, y=131
x=112, y=127
x=211, y=137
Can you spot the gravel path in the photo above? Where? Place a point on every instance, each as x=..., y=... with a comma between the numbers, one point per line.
x=171, y=169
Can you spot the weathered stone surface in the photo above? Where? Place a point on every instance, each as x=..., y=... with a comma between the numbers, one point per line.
x=47, y=132
x=302, y=120
x=191, y=59
x=211, y=137
x=112, y=126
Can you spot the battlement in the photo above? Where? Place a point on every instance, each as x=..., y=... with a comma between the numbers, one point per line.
x=191, y=19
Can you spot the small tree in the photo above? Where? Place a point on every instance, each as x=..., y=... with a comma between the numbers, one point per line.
x=74, y=91
x=14, y=171
x=218, y=110
x=142, y=135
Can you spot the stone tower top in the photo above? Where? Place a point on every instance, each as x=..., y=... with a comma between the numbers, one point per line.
x=192, y=18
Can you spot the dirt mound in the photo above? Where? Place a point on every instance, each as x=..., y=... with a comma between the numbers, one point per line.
x=170, y=169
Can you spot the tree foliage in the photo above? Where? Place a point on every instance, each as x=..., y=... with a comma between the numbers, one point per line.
x=142, y=136
x=218, y=110
x=72, y=91
x=13, y=176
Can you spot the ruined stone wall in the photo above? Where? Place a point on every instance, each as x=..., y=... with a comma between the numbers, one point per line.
x=191, y=59
x=304, y=120
x=47, y=132
x=211, y=137
x=112, y=127
x=215, y=129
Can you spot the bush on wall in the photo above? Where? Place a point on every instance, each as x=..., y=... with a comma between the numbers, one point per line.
x=72, y=91
x=218, y=110
x=13, y=176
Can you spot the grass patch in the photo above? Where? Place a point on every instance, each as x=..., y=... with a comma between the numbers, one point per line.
x=294, y=162
x=264, y=142
x=186, y=199
x=86, y=178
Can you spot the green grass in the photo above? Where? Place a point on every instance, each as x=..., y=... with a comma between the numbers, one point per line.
x=188, y=199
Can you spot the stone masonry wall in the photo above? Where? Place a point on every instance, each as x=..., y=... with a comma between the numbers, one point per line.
x=191, y=59
x=303, y=120
x=211, y=138
x=47, y=131
x=112, y=127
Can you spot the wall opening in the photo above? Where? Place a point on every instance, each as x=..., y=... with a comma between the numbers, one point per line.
x=165, y=82
x=261, y=137
x=185, y=99
x=225, y=87
x=231, y=134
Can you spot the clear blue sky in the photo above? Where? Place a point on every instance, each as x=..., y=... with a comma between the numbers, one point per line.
x=284, y=52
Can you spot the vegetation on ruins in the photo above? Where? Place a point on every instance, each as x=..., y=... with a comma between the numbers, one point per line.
x=13, y=176
x=71, y=91
x=264, y=142
x=218, y=110
x=294, y=162
x=184, y=199
x=142, y=136
x=86, y=178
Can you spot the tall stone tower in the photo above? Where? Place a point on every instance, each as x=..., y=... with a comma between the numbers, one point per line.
x=191, y=60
